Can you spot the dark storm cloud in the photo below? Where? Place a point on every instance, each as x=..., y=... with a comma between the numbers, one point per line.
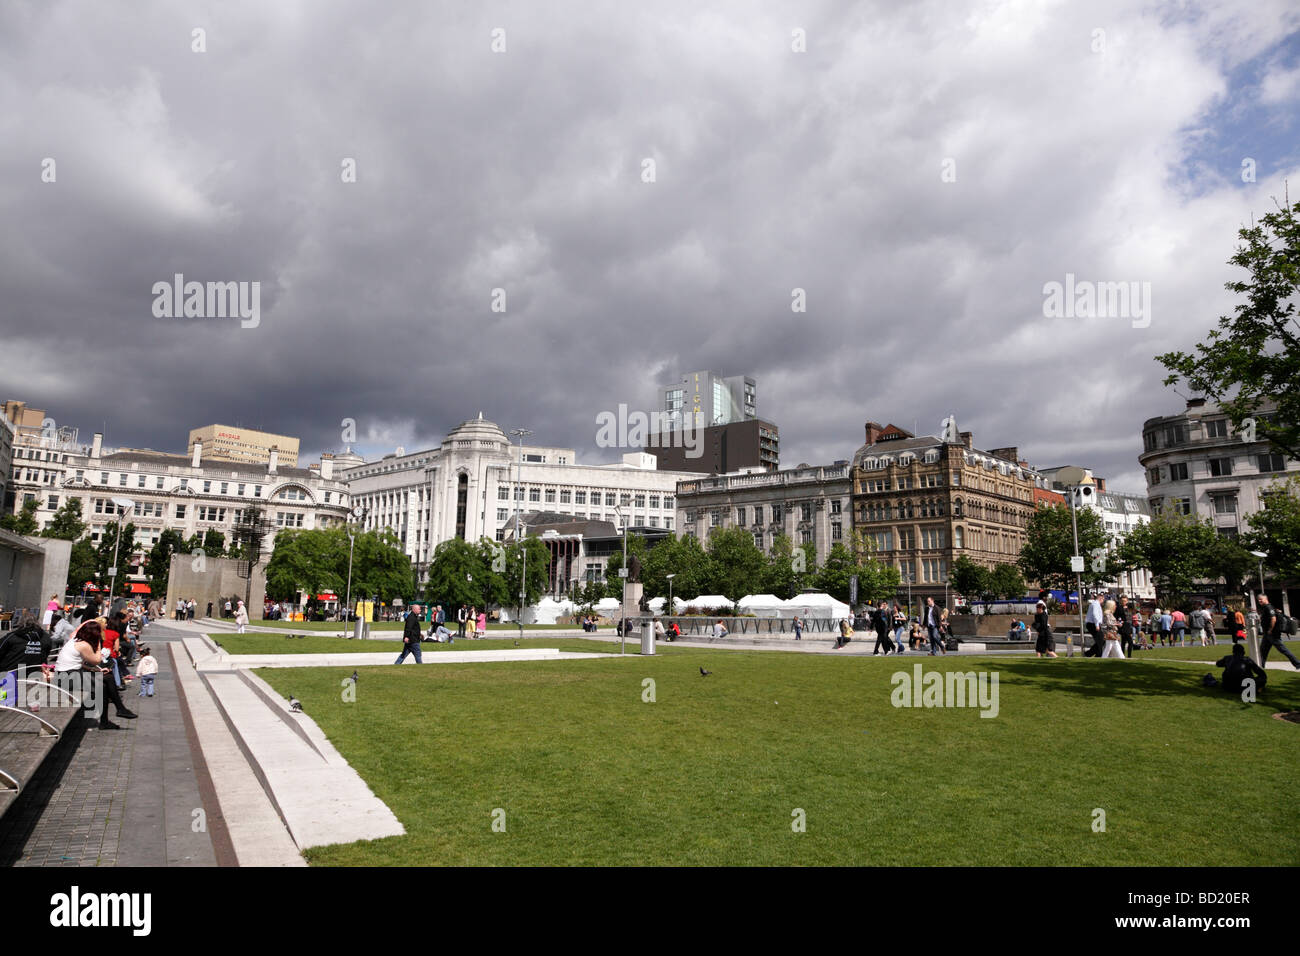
x=522, y=170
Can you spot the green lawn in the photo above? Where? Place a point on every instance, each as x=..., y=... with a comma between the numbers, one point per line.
x=1213, y=653
x=322, y=644
x=589, y=774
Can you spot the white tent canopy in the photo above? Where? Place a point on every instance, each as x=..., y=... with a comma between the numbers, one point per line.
x=754, y=601
x=817, y=605
x=608, y=604
x=709, y=600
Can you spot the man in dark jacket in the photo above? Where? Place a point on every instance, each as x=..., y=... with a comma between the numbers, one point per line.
x=461, y=616
x=27, y=645
x=883, y=621
x=1237, y=667
x=411, y=636
x=1124, y=614
x=1270, y=633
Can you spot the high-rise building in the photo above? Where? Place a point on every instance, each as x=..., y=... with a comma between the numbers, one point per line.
x=723, y=449
x=704, y=399
x=228, y=443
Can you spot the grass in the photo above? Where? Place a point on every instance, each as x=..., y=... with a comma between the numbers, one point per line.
x=1211, y=653
x=322, y=644
x=711, y=773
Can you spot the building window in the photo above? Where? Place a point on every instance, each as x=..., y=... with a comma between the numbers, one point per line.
x=958, y=538
x=1271, y=462
x=257, y=491
x=836, y=506
x=609, y=499
x=758, y=514
x=580, y=497
x=180, y=511
x=550, y=496
x=534, y=494
x=1216, y=428
x=668, y=523
x=690, y=516
x=519, y=493
x=668, y=502
x=932, y=538
x=121, y=479
x=906, y=539
x=758, y=540
x=715, y=519
x=502, y=514
x=52, y=502
x=140, y=481
x=1181, y=506
x=778, y=514
x=503, y=493
x=1220, y=467
x=805, y=511
x=740, y=517
x=288, y=519
x=625, y=500
x=1223, y=504
x=837, y=531
x=565, y=495
x=1178, y=470
x=639, y=501
x=806, y=536
x=654, y=501
x=207, y=487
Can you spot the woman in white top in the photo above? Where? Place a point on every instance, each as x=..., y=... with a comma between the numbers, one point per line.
x=241, y=617
x=83, y=652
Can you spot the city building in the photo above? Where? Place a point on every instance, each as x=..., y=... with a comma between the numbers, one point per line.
x=703, y=399
x=470, y=485
x=723, y=449
x=228, y=443
x=1198, y=464
x=1120, y=513
x=807, y=504
x=579, y=548
x=7, y=435
x=922, y=501
x=187, y=493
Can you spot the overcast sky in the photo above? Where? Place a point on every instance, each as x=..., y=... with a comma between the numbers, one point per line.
x=921, y=171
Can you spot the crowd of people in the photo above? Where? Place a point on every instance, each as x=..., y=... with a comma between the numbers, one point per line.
x=108, y=643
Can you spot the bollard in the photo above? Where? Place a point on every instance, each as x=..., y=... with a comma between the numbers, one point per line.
x=648, y=638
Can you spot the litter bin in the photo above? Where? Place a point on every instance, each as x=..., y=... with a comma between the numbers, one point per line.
x=648, y=638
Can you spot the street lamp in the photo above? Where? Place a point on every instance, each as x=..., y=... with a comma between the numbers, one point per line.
x=671, y=609
x=520, y=433
x=122, y=505
x=358, y=512
x=1077, y=560
x=622, y=573
x=1254, y=613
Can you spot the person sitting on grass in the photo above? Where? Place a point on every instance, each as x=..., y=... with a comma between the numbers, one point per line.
x=1237, y=667
x=719, y=629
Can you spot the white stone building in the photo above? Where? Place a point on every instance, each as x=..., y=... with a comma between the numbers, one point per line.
x=468, y=487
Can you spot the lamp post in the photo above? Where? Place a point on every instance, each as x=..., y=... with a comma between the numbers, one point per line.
x=358, y=512
x=520, y=433
x=1077, y=560
x=1254, y=613
x=672, y=610
x=122, y=505
x=622, y=573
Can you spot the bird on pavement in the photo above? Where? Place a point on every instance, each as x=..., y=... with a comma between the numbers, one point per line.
x=354, y=677
x=704, y=673
x=295, y=705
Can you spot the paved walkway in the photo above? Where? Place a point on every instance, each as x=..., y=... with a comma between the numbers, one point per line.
x=117, y=797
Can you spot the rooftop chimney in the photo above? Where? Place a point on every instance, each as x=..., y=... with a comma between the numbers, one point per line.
x=274, y=462
x=1101, y=484
x=327, y=466
x=198, y=454
x=873, y=432
x=967, y=438
x=98, y=445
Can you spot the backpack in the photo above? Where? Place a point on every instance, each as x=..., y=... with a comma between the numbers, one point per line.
x=1286, y=625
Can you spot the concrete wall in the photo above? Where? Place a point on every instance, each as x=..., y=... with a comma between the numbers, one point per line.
x=31, y=569
x=215, y=580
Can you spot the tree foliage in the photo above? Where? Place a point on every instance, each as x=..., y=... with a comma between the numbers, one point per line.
x=1253, y=357
x=1006, y=581
x=969, y=578
x=1275, y=529
x=1176, y=548
x=66, y=523
x=1049, y=545
x=24, y=522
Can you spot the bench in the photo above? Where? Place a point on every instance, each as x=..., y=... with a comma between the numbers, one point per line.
x=27, y=737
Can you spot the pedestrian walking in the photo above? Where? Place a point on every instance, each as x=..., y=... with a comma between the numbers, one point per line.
x=51, y=606
x=1178, y=621
x=798, y=628
x=482, y=624
x=883, y=622
x=411, y=636
x=241, y=617
x=1270, y=629
x=934, y=626
x=1044, y=642
x=900, y=626
x=1110, y=631
x=1124, y=615
x=1093, y=624
x=189, y=609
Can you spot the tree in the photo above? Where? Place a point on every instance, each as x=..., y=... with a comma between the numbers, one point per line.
x=1049, y=544
x=380, y=569
x=1005, y=581
x=790, y=569
x=108, y=549
x=158, y=562
x=1176, y=549
x=534, y=571
x=1275, y=529
x=684, y=558
x=1254, y=355
x=304, y=561
x=736, y=566
x=24, y=522
x=969, y=579
x=83, y=562
x=458, y=574
x=66, y=523
x=636, y=545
